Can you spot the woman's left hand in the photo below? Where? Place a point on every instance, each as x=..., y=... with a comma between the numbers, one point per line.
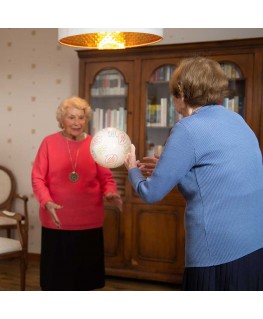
x=130, y=160
x=114, y=199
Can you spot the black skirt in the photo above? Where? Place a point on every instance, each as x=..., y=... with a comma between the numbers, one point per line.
x=243, y=274
x=72, y=260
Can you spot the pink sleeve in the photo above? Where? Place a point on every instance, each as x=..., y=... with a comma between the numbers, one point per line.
x=39, y=175
x=108, y=184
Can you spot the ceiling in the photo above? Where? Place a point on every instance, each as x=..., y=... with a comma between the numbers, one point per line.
x=189, y=35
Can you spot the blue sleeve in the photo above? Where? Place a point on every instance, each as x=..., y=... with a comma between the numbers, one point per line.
x=176, y=160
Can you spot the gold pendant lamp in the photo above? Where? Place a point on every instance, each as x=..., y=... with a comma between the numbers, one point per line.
x=109, y=39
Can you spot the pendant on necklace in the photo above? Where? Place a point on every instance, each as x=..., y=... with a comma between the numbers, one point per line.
x=73, y=177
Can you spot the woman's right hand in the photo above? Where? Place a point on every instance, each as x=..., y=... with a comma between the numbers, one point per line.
x=149, y=164
x=52, y=207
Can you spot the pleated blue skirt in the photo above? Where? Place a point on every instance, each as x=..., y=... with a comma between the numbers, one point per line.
x=243, y=274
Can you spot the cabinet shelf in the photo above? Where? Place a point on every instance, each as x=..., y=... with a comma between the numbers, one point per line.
x=109, y=96
x=159, y=127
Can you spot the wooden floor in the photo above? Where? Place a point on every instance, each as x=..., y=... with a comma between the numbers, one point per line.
x=9, y=280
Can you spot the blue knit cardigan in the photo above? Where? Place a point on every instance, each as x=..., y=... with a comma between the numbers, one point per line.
x=215, y=160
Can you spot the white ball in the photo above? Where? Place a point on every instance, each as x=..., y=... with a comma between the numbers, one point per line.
x=109, y=147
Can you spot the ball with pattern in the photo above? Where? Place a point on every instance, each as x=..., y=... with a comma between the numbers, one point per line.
x=109, y=147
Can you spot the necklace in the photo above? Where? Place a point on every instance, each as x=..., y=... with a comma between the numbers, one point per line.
x=73, y=176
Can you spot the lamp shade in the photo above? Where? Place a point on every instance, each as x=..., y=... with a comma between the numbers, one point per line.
x=110, y=38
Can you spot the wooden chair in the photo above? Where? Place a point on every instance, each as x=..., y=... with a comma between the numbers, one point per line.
x=10, y=220
x=8, y=197
x=15, y=248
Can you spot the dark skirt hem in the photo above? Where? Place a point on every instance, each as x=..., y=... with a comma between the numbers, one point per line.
x=72, y=260
x=243, y=274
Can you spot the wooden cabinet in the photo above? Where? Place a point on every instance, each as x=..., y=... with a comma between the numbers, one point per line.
x=147, y=241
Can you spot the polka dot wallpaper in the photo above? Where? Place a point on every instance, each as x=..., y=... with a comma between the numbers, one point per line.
x=36, y=73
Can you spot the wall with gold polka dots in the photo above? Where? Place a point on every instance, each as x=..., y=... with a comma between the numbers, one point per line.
x=36, y=73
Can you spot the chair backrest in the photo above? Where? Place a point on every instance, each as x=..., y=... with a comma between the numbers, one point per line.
x=7, y=188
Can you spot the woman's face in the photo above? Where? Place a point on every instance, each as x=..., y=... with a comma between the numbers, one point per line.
x=74, y=123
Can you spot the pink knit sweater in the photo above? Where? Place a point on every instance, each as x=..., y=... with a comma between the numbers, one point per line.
x=82, y=201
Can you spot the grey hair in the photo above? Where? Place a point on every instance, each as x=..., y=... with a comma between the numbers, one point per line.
x=73, y=101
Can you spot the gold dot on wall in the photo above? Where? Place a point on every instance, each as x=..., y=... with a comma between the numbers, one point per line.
x=9, y=108
x=9, y=44
x=58, y=81
x=33, y=131
x=33, y=32
x=58, y=47
x=9, y=76
x=9, y=141
x=33, y=98
x=33, y=66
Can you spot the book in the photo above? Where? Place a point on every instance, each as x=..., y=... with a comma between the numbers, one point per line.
x=163, y=121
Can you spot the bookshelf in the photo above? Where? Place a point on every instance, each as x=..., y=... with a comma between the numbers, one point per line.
x=237, y=86
x=108, y=101
x=160, y=109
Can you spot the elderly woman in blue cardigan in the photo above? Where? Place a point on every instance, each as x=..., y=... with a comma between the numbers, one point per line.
x=214, y=158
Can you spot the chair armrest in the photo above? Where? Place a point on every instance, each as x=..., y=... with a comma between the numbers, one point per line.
x=23, y=197
x=22, y=232
x=17, y=216
x=25, y=200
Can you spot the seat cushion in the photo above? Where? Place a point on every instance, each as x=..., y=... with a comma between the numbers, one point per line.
x=8, y=245
x=7, y=221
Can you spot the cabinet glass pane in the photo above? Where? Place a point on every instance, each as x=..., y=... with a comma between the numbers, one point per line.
x=235, y=101
x=108, y=101
x=160, y=110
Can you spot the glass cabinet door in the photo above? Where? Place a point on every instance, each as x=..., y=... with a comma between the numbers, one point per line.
x=108, y=101
x=160, y=109
x=161, y=114
x=235, y=101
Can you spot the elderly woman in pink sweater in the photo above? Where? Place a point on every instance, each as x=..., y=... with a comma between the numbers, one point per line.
x=70, y=186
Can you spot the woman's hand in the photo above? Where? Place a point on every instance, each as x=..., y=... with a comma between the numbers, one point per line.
x=52, y=207
x=114, y=199
x=149, y=164
x=130, y=160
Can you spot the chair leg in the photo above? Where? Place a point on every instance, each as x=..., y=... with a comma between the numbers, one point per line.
x=23, y=266
x=8, y=233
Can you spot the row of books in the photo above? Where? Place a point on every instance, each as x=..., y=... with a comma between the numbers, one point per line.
x=162, y=115
x=231, y=71
x=235, y=104
x=162, y=74
x=109, y=84
x=102, y=118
